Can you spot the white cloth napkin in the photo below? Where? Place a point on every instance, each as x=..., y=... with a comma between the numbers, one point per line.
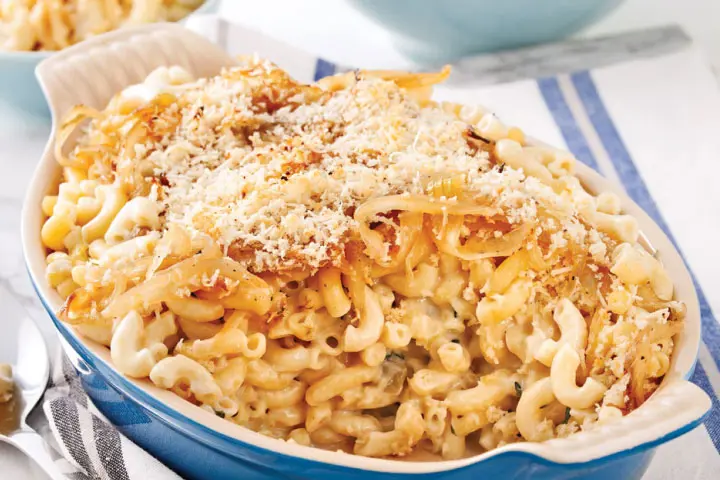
x=653, y=125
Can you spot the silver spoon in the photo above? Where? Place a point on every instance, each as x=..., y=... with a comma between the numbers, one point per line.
x=29, y=358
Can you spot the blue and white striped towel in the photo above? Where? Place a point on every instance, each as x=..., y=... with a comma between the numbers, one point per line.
x=652, y=125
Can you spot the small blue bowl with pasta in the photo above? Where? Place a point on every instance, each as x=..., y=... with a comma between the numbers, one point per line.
x=198, y=444
x=18, y=86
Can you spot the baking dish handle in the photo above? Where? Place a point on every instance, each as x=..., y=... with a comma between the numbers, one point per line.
x=91, y=72
x=674, y=409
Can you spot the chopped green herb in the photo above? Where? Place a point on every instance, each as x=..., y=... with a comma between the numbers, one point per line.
x=452, y=429
x=518, y=389
x=567, y=415
x=399, y=355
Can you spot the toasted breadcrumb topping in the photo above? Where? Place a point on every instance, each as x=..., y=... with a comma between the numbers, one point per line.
x=273, y=169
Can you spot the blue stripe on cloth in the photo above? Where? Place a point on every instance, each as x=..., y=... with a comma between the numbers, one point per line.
x=323, y=69
x=638, y=191
x=555, y=100
x=712, y=422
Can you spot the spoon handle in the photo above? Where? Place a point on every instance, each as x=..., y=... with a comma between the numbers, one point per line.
x=33, y=445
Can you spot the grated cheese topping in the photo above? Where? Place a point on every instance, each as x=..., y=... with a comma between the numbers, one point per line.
x=273, y=170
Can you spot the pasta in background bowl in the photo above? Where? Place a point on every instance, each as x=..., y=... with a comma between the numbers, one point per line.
x=31, y=30
x=432, y=354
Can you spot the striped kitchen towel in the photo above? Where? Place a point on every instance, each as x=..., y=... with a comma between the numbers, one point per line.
x=90, y=447
x=651, y=124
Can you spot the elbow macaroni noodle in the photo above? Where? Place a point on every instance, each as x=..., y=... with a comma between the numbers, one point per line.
x=353, y=268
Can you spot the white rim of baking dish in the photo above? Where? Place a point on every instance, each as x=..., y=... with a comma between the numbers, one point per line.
x=106, y=64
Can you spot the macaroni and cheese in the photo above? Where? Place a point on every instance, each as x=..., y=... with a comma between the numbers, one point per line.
x=56, y=24
x=351, y=265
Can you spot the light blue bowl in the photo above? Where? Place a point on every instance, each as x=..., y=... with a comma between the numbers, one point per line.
x=434, y=30
x=19, y=87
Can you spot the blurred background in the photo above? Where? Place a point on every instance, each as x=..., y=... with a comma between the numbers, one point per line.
x=337, y=30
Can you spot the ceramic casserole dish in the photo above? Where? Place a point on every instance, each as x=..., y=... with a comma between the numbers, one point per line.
x=198, y=444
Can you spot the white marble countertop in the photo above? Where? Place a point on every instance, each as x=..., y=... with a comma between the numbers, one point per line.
x=22, y=138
